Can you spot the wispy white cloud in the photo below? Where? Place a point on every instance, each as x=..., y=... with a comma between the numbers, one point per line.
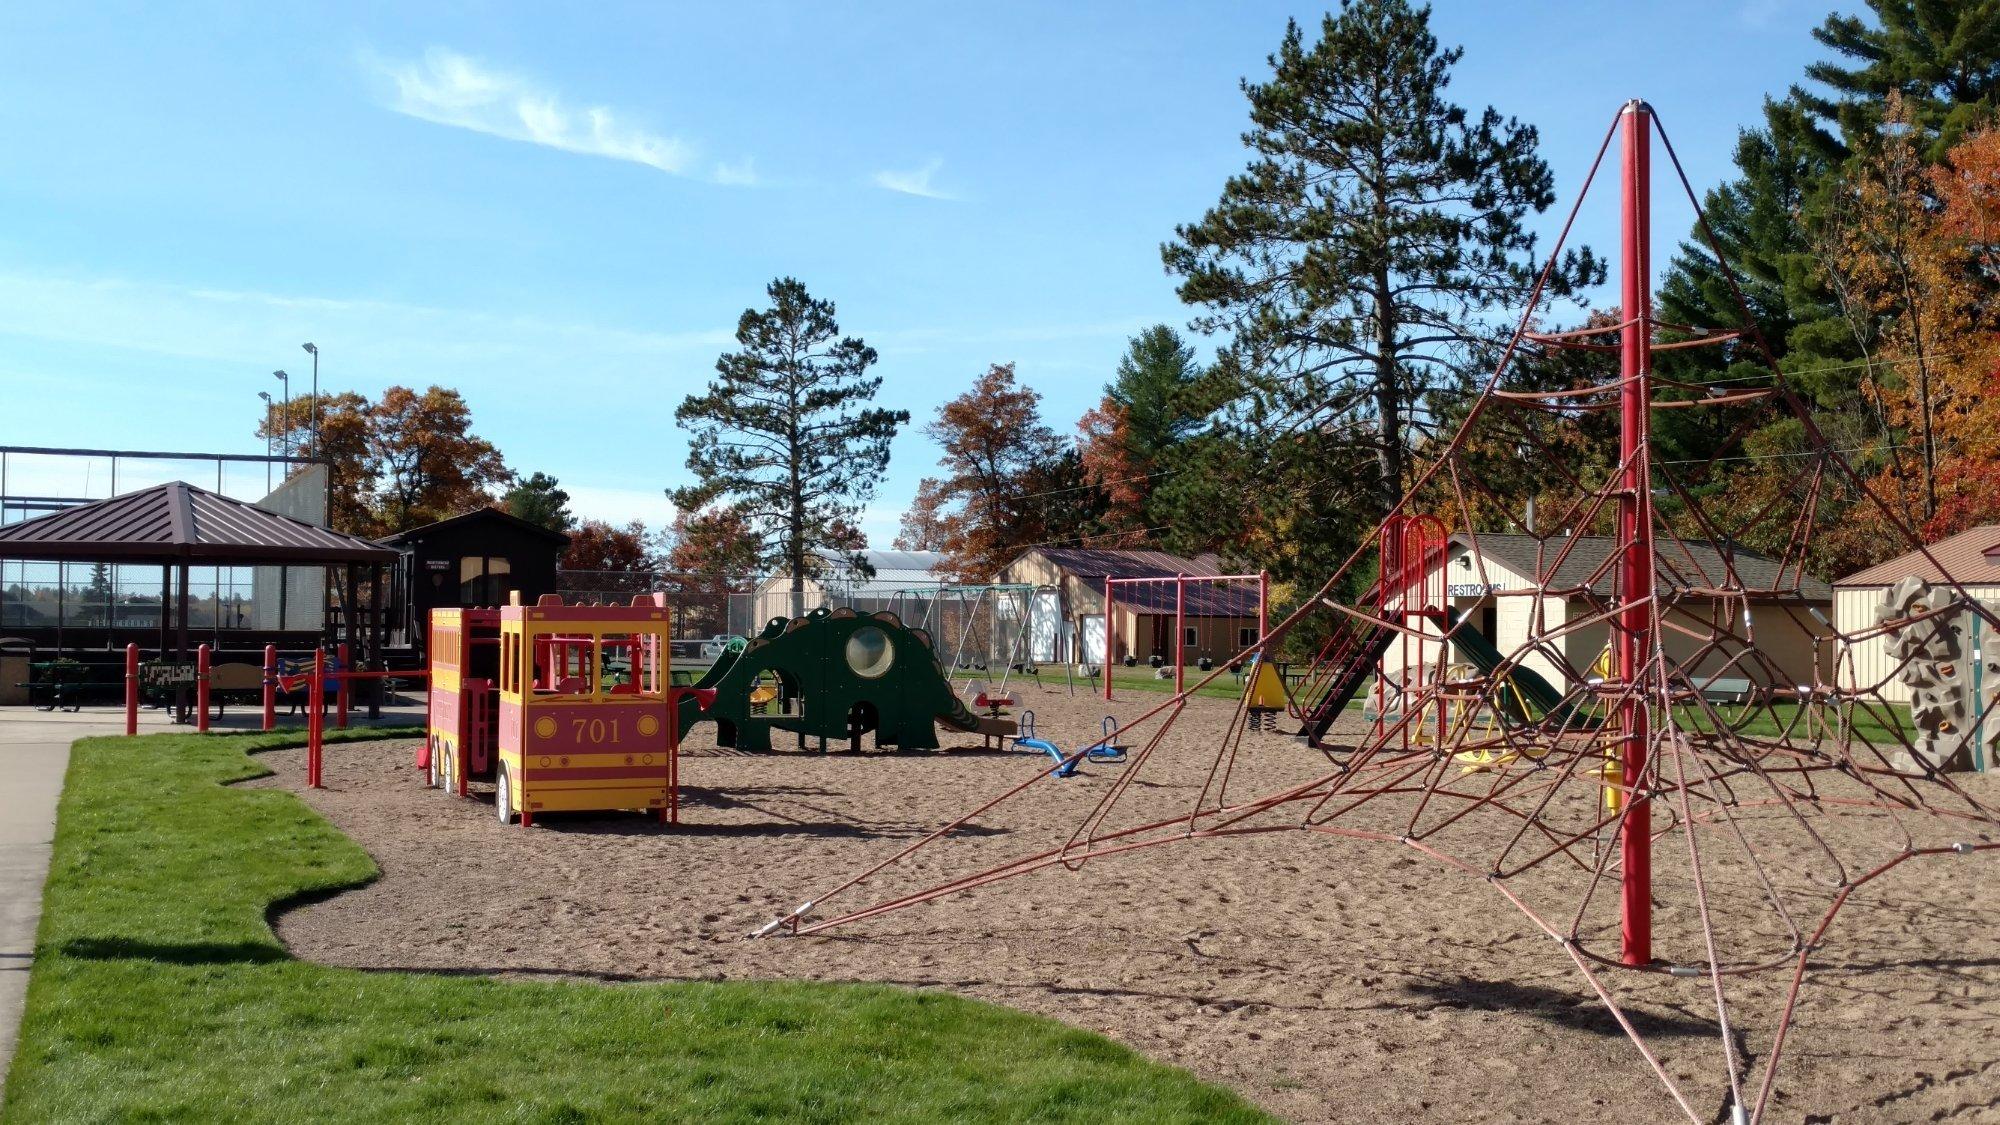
x=736, y=173
x=448, y=88
x=240, y=326
x=915, y=182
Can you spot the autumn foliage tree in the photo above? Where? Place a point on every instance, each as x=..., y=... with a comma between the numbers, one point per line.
x=1001, y=463
x=404, y=460
x=1901, y=260
x=599, y=545
x=345, y=424
x=432, y=466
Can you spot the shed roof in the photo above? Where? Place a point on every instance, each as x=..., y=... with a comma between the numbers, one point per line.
x=894, y=572
x=178, y=523
x=1968, y=557
x=1092, y=566
x=477, y=515
x=1682, y=562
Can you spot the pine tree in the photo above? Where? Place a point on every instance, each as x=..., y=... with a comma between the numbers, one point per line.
x=1129, y=439
x=785, y=436
x=1354, y=262
x=540, y=500
x=1152, y=386
x=1942, y=57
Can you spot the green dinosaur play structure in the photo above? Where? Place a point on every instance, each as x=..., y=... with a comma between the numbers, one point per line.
x=833, y=674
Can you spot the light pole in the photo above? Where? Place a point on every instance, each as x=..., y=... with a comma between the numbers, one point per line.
x=266, y=396
x=312, y=348
x=285, y=441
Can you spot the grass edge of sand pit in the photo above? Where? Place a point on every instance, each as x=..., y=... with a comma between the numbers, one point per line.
x=160, y=992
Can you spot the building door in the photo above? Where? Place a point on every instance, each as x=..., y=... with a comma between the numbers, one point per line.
x=1045, y=627
x=1090, y=638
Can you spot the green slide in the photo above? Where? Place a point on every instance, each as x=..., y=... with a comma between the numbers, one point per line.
x=688, y=712
x=1526, y=693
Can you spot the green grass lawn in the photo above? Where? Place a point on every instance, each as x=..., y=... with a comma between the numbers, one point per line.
x=160, y=994
x=1879, y=726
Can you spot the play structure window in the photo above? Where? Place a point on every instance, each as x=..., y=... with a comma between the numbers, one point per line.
x=869, y=652
x=564, y=664
x=510, y=663
x=444, y=646
x=484, y=579
x=630, y=664
x=771, y=696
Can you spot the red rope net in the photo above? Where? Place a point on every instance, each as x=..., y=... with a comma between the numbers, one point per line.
x=1766, y=731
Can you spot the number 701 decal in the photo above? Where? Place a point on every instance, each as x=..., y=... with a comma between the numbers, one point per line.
x=597, y=732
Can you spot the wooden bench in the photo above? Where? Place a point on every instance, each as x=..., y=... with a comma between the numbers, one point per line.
x=234, y=680
x=1724, y=689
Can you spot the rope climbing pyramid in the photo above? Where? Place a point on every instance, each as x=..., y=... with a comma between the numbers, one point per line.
x=1679, y=773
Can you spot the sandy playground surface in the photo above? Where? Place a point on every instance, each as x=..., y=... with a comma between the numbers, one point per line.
x=1327, y=979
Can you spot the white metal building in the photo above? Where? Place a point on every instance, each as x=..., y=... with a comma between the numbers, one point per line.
x=841, y=584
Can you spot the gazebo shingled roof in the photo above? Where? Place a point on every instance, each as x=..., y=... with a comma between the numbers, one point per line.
x=179, y=524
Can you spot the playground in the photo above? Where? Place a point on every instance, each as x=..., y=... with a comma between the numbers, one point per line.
x=1323, y=979
x=1522, y=650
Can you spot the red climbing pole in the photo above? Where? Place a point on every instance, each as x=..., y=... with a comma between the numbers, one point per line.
x=1635, y=532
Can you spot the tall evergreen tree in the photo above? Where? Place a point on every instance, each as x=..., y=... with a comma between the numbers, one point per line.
x=1355, y=262
x=785, y=435
x=1131, y=437
x=540, y=500
x=1941, y=56
x=1152, y=385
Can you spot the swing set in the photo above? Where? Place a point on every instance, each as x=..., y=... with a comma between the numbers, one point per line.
x=1215, y=601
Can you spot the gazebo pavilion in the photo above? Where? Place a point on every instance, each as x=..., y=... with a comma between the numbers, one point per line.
x=178, y=527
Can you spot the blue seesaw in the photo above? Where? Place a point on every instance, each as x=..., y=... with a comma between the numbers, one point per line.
x=1108, y=750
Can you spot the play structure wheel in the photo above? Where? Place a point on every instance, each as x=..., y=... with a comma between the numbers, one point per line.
x=431, y=768
x=503, y=796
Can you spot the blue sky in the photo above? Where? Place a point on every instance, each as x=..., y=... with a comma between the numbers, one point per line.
x=562, y=209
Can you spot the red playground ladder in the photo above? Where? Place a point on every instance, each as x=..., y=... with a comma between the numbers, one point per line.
x=1351, y=654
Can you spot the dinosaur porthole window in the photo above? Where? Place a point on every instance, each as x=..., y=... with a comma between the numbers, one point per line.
x=869, y=652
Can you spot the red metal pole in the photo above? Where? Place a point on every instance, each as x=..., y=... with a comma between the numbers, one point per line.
x=673, y=750
x=1635, y=534
x=341, y=696
x=315, y=701
x=270, y=686
x=1110, y=631
x=131, y=689
x=201, y=662
x=1180, y=629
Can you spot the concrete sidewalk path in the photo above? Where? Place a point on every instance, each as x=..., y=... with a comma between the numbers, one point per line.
x=34, y=753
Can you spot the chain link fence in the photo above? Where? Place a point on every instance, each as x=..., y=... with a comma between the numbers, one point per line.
x=972, y=628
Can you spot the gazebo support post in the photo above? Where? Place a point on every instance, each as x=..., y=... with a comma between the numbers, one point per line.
x=350, y=612
x=166, y=602
x=375, y=663
x=181, y=646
